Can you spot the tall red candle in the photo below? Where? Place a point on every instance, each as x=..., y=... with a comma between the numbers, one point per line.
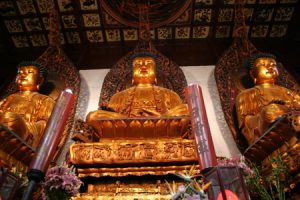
x=53, y=132
x=200, y=126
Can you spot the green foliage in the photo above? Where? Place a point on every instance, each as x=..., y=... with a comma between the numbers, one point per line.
x=272, y=186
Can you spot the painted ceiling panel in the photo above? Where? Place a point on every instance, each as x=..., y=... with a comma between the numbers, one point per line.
x=90, y=21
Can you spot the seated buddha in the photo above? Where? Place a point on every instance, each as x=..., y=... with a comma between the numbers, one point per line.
x=143, y=99
x=26, y=112
x=260, y=106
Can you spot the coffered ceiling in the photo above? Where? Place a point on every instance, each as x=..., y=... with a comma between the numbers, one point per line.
x=96, y=33
x=104, y=21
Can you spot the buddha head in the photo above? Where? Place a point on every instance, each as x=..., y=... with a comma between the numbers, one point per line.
x=144, y=70
x=30, y=77
x=263, y=69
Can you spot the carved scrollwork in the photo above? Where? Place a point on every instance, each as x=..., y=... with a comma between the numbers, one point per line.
x=84, y=133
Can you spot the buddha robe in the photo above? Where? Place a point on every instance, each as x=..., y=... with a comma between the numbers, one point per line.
x=27, y=114
x=146, y=101
x=260, y=106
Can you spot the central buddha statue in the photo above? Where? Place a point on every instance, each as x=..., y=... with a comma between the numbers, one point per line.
x=143, y=99
x=26, y=112
x=258, y=107
x=142, y=133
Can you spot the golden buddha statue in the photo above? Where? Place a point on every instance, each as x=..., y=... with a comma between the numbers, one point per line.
x=144, y=131
x=26, y=112
x=144, y=99
x=258, y=107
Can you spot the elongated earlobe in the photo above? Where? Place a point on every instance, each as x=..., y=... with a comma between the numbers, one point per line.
x=252, y=76
x=38, y=86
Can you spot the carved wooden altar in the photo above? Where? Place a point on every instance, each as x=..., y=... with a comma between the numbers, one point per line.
x=61, y=74
x=231, y=78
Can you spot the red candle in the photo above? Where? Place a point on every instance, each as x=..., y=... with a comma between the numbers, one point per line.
x=200, y=127
x=53, y=132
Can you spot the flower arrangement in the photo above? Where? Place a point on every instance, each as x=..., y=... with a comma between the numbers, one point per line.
x=193, y=187
x=266, y=187
x=60, y=183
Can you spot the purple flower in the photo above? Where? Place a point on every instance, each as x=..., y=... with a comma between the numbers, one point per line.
x=61, y=179
x=189, y=197
x=181, y=189
x=236, y=161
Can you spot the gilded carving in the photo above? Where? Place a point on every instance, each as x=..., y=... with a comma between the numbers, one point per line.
x=136, y=171
x=172, y=150
x=102, y=152
x=83, y=155
x=133, y=151
x=84, y=133
x=149, y=151
x=188, y=150
x=127, y=152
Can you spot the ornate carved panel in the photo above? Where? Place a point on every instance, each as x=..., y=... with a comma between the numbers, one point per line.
x=133, y=151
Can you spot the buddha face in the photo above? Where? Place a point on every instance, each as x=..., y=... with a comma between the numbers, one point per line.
x=28, y=78
x=144, y=70
x=265, y=71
